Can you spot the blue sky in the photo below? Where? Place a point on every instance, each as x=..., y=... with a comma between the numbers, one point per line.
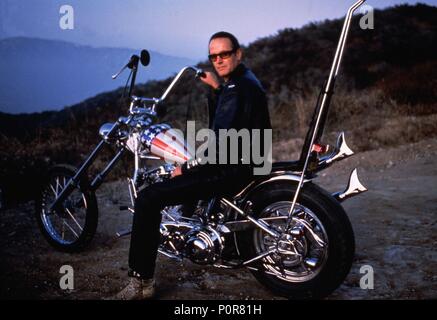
x=176, y=27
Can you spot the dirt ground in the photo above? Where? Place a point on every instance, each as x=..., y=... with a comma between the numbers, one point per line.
x=395, y=225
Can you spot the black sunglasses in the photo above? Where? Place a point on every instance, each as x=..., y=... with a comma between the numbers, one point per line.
x=222, y=55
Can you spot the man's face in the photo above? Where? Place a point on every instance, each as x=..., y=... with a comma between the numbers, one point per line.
x=228, y=61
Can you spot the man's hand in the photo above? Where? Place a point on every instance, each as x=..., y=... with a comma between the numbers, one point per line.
x=176, y=172
x=210, y=79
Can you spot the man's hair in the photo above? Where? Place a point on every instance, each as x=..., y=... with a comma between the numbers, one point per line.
x=230, y=36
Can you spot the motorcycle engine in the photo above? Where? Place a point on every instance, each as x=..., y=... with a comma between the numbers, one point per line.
x=204, y=245
x=201, y=244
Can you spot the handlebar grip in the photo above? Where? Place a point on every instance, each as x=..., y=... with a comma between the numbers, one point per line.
x=200, y=74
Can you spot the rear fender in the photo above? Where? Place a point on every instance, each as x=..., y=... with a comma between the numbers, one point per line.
x=256, y=184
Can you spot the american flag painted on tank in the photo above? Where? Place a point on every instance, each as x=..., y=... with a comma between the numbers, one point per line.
x=167, y=143
x=150, y=133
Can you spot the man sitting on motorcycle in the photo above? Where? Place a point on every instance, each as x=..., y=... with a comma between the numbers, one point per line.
x=240, y=103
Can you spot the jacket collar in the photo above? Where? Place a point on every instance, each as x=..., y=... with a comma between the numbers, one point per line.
x=238, y=72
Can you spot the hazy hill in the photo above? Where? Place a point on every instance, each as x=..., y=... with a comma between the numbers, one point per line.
x=39, y=74
x=386, y=93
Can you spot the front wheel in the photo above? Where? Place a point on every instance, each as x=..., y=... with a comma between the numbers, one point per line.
x=314, y=255
x=71, y=227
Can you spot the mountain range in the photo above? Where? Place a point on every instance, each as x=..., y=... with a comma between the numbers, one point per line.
x=385, y=95
x=38, y=74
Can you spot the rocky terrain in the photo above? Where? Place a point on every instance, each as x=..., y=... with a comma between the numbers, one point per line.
x=395, y=225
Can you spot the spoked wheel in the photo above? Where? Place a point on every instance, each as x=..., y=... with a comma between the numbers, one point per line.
x=71, y=227
x=313, y=256
x=301, y=252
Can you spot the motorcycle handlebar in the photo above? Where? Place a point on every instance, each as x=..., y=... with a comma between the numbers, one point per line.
x=199, y=73
x=156, y=101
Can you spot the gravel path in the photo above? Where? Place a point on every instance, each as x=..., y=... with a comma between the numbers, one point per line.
x=395, y=225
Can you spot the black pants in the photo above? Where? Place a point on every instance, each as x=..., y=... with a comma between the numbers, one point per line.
x=204, y=183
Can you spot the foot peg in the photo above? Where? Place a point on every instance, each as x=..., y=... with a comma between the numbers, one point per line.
x=127, y=208
x=354, y=188
x=123, y=233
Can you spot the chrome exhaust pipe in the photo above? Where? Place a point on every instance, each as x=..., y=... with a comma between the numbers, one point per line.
x=341, y=151
x=353, y=189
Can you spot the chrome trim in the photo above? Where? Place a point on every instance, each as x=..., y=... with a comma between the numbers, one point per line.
x=176, y=79
x=74, y=181
x=165, y=213
x=170, y=255
x=278, y=176
x=263, y=255
x=136, y=146
x=257, y=269
x=105, y=129
x=261, y=224
x=333, y=74
x=341, y=151
x=241, y=225
x=149, y=157
x=123, y=233
x=55, y=222
x=301, y=246
x=311, y=232
x=177, y=224
x=345, y=30
x=100, y=177
x=145, y=100
x=208, y=241
x=132, y=191
x=244, y=190
x=223, y=228
x=226, y=266
x=354, y=188
x=284, y=177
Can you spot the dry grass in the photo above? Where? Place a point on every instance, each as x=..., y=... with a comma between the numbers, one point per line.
x=370, y=119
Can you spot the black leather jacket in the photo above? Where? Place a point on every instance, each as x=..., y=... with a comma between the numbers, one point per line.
x=237, y=104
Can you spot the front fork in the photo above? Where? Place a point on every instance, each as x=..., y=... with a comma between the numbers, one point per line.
x=74, y=182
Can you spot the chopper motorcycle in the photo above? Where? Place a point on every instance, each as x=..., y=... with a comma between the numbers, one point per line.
x=294, y=236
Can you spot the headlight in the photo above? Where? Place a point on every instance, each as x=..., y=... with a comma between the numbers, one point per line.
x=104, y=129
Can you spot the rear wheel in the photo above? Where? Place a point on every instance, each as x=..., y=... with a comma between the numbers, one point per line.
x=71, y=227
x=310, y=259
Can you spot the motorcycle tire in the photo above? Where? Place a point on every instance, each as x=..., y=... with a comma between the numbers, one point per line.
x=321, y=209
x=72, y=228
